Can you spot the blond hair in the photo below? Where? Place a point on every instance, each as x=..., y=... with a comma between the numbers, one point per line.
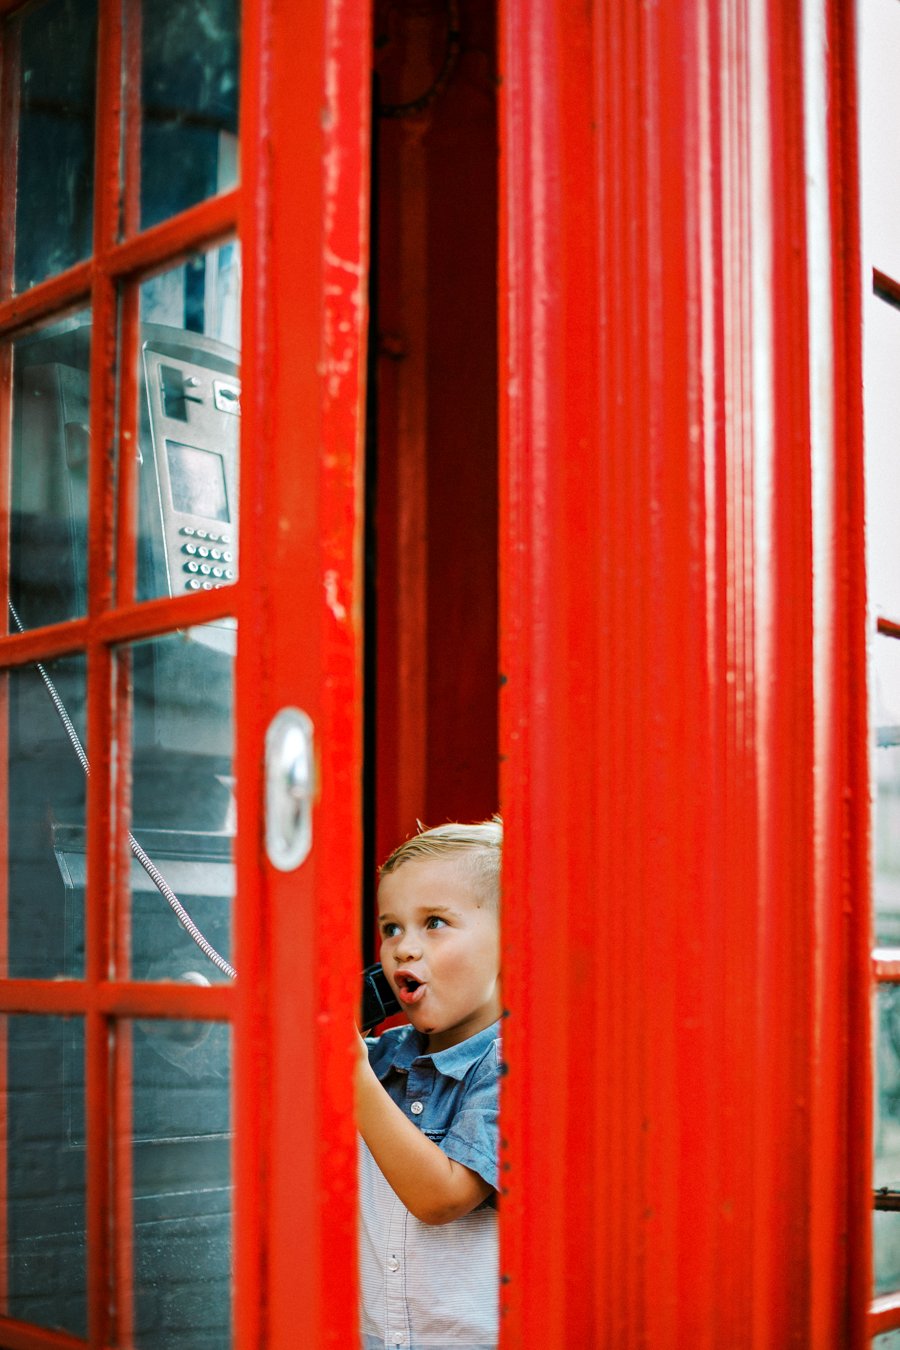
x=478, y=847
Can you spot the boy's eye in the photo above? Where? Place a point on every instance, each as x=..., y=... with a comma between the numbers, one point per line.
x=390, y=929
x=434, y=921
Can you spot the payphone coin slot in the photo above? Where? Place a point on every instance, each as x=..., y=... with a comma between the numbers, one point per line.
x=177, y=392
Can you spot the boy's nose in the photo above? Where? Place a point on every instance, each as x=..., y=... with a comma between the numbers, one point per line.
x=407, y=949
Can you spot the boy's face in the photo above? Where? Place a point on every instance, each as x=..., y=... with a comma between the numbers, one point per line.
x=440, y=949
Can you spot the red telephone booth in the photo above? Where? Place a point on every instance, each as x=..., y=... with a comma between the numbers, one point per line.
x=355, y=363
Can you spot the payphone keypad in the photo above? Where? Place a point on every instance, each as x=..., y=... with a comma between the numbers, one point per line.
x=207, y=557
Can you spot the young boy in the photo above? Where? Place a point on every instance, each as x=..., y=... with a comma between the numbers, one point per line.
x=426, y=1099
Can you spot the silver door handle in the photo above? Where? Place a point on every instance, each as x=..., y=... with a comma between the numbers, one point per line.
x=290, y=788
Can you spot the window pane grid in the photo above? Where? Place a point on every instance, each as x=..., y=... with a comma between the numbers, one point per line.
x=886, y=287
x=26, y=1336
x=118, y=998
x=198, y=227
x=884, y=1314
x=108, y=281
x=886, y=965
x=885, y=1310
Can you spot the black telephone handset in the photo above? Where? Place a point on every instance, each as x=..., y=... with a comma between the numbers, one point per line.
x=378, y=1001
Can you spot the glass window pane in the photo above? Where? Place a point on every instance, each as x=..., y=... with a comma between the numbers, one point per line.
x=189, y=89
x=183, y=804
x=46, y=818
x=886, y=709
x=45, y=1170
x=50, y=439
x=882, y=354
x=888, y=1340
x=181, y=1158
x=190, y=426
x=55, y=172
x=887, y=1134
x=879, y=141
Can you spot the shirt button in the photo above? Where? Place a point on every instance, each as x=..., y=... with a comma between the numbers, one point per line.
x=393, y=1263
x=417, y=1108
x=398, y=1337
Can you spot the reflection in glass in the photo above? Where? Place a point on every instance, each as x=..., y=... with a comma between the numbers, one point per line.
x=887, y=1134
x=887, y=790
x=183, y=812
x=182, y=1184
x=189, y=91
x=50, y=440
x=45, y=1170
x=190, y=426
x=55, y=169
x=46, y=821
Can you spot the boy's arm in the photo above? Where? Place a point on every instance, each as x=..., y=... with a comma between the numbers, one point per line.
x=434, y=1188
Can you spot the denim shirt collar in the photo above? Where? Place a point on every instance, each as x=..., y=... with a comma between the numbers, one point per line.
x=454, y=1062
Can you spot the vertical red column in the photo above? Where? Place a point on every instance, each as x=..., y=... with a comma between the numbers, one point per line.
x=680, y=648
x=305, y=119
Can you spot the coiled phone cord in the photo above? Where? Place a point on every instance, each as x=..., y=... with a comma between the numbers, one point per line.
x=147, y=863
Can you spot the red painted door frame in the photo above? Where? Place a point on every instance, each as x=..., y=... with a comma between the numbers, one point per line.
x=306, y=73
x=683, y=730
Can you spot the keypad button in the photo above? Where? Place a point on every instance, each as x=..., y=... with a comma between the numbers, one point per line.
x=229, y=574
x=187, y=530
x=215, y=553
x=217, y=572
x=205, y=569
x=228, y=557
x=224, y=538
x=193, y=584
x=202, y=552
x=191, y=566
x=189, y=548
x=201, y=534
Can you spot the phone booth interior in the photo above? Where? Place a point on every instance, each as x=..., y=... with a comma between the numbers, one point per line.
x=432, y=469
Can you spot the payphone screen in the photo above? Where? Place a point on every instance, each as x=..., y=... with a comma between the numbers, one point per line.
x=197, y=481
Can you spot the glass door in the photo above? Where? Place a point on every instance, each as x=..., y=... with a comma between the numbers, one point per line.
x=181, y=310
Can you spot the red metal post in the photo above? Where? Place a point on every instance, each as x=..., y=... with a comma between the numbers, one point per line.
x=681, y=648
x=304, y=135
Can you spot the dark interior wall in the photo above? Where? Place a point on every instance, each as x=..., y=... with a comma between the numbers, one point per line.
x=436, y=306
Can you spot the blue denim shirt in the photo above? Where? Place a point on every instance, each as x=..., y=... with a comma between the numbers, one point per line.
x=451, y=1095
x=427, y=1287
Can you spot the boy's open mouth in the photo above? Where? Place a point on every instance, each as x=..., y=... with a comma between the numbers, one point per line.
x=409, y=989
